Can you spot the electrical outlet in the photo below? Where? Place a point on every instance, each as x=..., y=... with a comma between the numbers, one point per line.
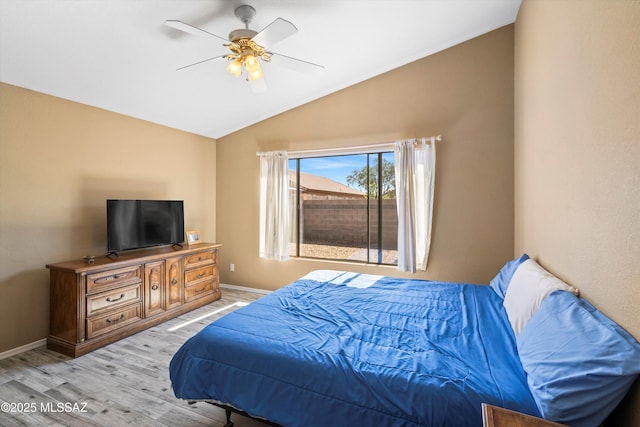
x=232, y=267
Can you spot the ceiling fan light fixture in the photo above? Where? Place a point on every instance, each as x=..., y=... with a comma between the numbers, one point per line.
x=255, y=75
x=245, y=54
x=235, y=67
x=251, y=63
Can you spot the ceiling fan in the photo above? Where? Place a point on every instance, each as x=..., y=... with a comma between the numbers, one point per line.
x=248, y=47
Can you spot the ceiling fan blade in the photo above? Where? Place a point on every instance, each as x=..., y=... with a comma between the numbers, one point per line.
x=179, y=25
x=275, y=32
x=296, y=64
x=199, y=62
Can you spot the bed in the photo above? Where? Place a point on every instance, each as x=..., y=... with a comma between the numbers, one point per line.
x=345, y=349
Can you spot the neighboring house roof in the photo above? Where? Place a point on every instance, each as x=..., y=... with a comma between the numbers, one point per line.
x=320, y=184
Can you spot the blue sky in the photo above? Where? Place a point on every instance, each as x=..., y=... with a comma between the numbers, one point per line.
x=336, y=168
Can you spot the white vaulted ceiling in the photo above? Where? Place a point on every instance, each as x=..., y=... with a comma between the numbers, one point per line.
x=119, y=56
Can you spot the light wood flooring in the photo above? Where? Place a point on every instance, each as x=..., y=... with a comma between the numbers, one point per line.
x=125, y=383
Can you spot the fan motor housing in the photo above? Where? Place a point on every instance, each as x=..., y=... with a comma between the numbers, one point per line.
x=242, y=33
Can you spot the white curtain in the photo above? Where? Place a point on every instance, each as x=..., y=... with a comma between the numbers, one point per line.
x=274, y=205
x=415, y=178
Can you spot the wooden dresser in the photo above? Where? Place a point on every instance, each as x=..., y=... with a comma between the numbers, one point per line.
x=94, y=304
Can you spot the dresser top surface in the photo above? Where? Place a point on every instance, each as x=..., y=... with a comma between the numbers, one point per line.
x=130, y=257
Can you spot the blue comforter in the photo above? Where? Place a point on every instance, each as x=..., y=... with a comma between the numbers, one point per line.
x=346, y=349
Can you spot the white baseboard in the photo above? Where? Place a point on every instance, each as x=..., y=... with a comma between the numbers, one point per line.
x=23, y=348
x=244, y=288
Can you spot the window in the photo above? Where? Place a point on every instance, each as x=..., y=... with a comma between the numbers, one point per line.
x=339, y=210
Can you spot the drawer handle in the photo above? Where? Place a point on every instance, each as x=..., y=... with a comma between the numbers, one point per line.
x=116, y=320
x=115, y=299
x=174, y=282
x=154, y=287
x=201, y=275
x=200, y=290
x=109, y=278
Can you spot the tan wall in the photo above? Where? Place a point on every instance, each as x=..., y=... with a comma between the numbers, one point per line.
x=577, y=153
x=577, y=164
x=59, y=162
x=464, y=93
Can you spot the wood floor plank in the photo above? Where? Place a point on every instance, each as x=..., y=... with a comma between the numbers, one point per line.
x=125, y=383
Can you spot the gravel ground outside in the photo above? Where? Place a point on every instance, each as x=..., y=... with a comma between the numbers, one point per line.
x=345, y=253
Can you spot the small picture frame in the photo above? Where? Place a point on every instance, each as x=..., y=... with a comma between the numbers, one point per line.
x=192, y=237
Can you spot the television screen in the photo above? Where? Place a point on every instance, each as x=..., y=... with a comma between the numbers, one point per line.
x=135, y=224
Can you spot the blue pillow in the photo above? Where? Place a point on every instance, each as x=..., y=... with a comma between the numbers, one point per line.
x=579, y=363
x=500, y=283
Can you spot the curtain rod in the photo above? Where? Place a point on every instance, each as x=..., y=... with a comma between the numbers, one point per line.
x=383, y=146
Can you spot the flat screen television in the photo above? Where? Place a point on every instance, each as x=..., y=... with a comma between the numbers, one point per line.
x=136, y=224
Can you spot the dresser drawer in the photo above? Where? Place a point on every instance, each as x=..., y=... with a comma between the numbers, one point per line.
x=200, y=289
x=116, y=298
x=116, y=319
x=113, y=278
x=201, y=273
x=199, y=259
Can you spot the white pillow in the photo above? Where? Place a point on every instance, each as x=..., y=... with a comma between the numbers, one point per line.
x=529, y=286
